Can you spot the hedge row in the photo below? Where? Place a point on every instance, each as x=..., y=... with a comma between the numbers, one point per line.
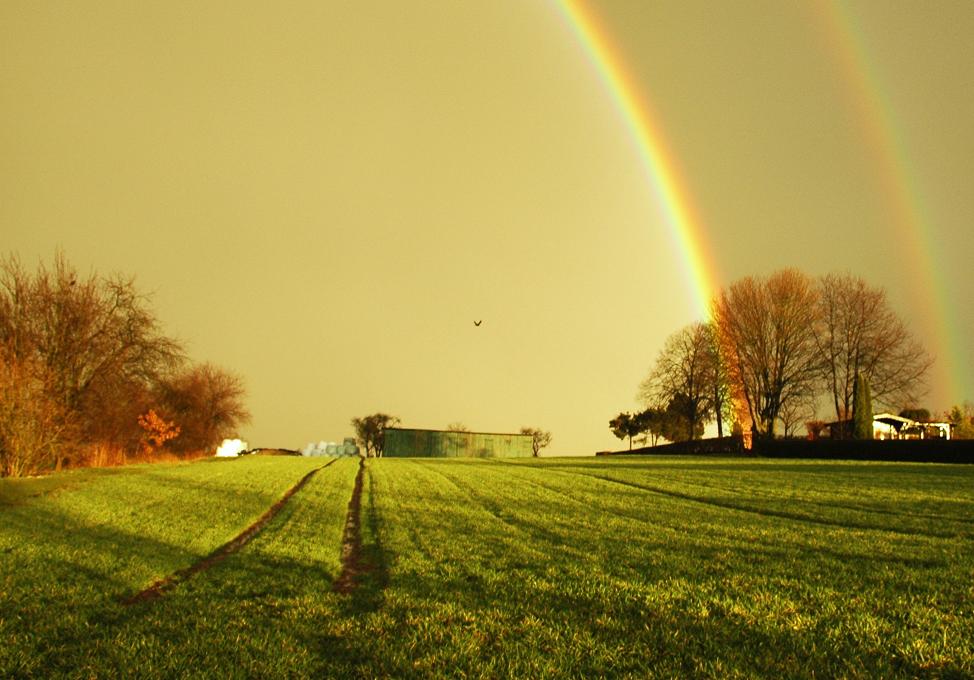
x=897, y=450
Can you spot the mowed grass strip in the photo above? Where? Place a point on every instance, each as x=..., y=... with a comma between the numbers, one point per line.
x=71, y=550
x=901, y=571
x=501, y=569
x=903, y=497
x=265, y=611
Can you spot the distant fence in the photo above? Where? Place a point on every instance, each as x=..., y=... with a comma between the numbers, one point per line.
x=897, y=450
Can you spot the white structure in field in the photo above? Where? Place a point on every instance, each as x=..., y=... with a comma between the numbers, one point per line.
x=231, y=448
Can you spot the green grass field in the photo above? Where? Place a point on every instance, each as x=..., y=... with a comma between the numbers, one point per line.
x=626, y=567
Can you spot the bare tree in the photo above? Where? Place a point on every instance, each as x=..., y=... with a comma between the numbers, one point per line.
x=82, y=358
x=32, y=426
x=767, y=337
x=686, y=366
x=87, y=332
x=112, y=407
x=861, y=335
x=370, y=432
x=206, y=403
x=457, y=427
x=796, y=413
x=539, y=438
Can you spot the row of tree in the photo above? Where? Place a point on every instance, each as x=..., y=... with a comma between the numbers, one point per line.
x=655, y=423
x=777, y=347
x=85, y=366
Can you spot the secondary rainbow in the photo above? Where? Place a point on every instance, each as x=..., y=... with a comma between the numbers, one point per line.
x=910, y=221
x=670, y=192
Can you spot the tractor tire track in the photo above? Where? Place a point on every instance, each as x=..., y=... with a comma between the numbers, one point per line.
x=354, y=564
x=163, y=585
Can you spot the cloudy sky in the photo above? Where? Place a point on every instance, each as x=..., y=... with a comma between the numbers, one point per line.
x=324, y=196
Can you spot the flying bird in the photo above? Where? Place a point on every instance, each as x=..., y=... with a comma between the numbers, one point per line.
x=477, y=323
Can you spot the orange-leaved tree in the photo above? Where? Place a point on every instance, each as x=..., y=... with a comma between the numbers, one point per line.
x=156, y=431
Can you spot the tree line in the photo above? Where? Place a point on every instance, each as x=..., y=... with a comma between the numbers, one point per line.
x=775, y=349
x=85, y=369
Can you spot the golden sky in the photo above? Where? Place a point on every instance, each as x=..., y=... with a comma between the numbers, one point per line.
x=323, y=196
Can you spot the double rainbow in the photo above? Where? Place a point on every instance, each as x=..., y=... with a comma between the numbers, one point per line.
x=876, y=117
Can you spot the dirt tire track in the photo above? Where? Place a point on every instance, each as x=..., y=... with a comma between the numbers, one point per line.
x=354, y=564
x=158, y=588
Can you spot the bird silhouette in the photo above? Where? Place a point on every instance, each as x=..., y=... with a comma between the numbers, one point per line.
x=477, y=323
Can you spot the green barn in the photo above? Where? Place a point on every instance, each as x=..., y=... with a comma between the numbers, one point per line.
x=406, y=443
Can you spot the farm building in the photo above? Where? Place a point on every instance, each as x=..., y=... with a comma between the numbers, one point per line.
x=890, y=426
x=407, y=443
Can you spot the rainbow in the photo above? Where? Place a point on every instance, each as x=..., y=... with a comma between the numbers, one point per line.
x=880, y=131
x=670, y=192
x=909, y=220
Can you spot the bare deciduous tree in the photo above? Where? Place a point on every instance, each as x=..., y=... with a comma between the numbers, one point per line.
x=32, y=425
x=81, y=359
x=539, y=438
x=767, y=337
x=370, y=432
x=87, y=332
x=796, y=413
x=686, y=366
x=860, y=335
x=112, y=407
x=207, y=403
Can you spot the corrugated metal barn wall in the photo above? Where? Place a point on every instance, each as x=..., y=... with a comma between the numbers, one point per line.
x=405, y=443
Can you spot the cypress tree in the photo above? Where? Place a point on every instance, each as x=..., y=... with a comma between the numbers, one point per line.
x=862, y=409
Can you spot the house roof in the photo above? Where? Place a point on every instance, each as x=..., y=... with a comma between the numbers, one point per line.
x=891, y=419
